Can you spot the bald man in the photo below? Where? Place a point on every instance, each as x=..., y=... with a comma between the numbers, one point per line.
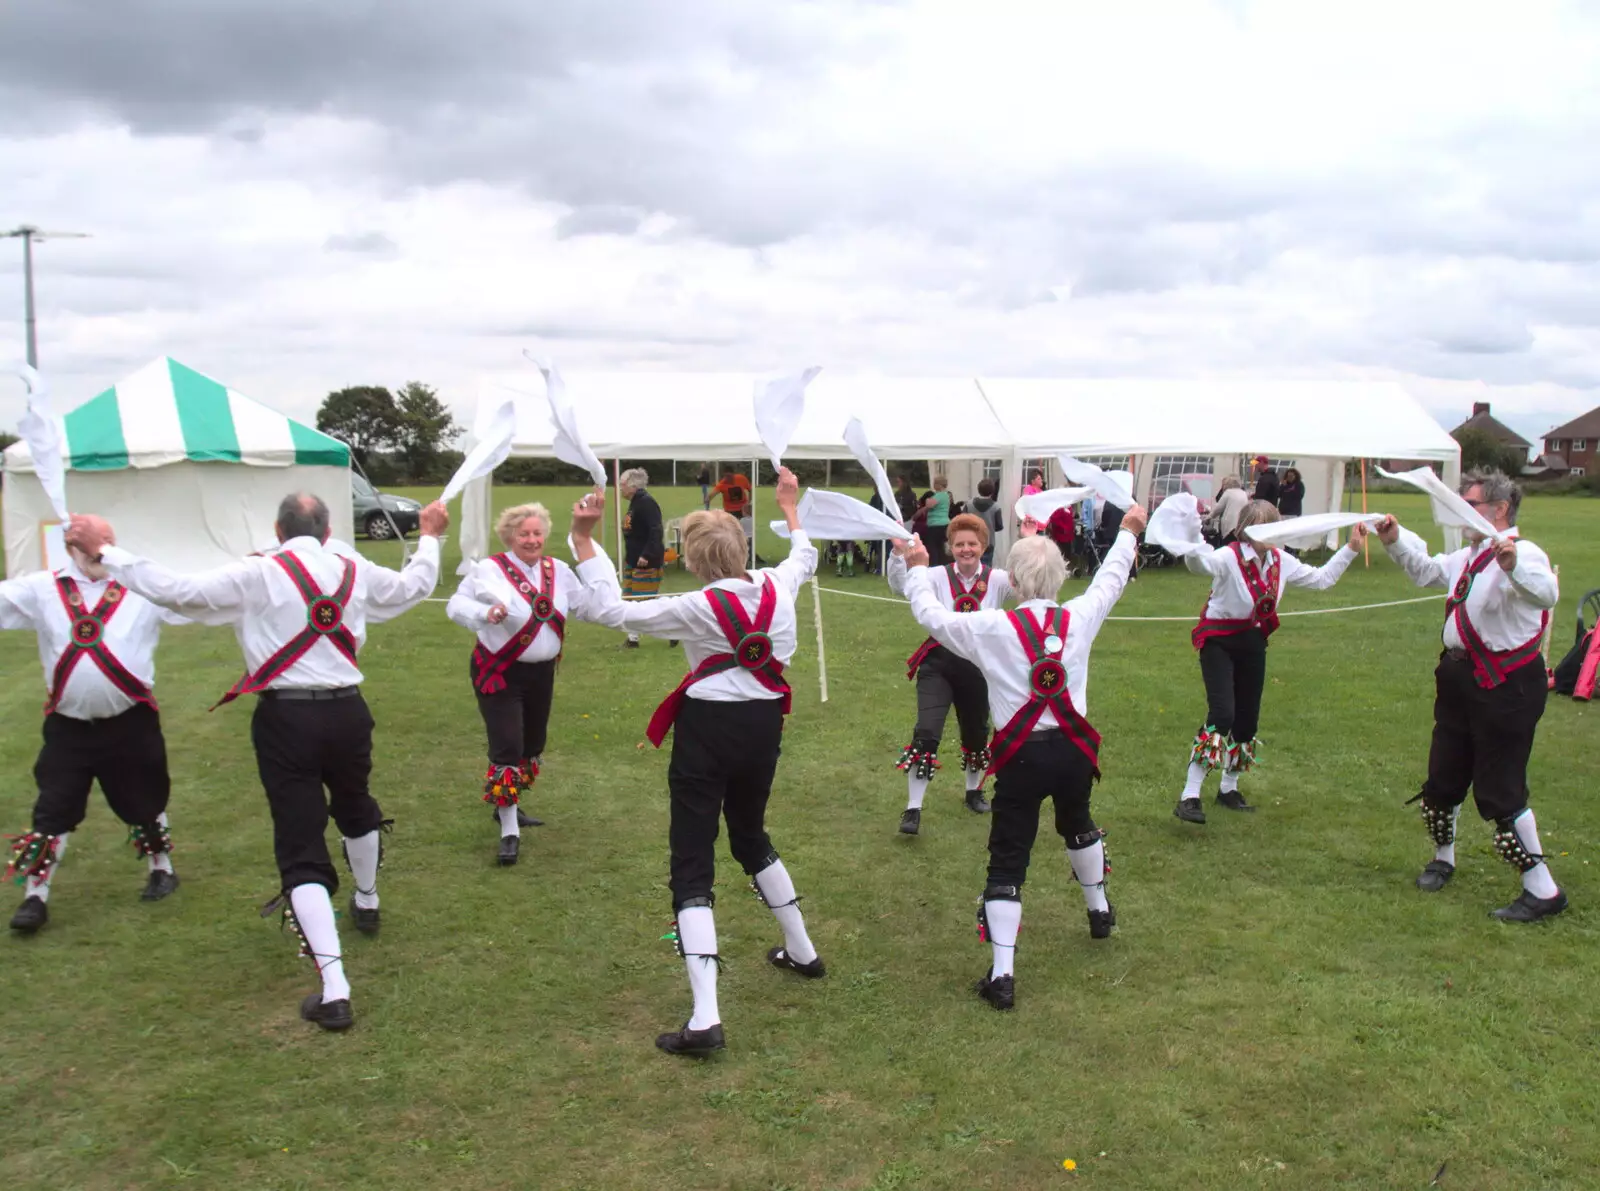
x=97, y=642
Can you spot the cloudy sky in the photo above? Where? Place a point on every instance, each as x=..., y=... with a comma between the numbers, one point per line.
x=297, y=195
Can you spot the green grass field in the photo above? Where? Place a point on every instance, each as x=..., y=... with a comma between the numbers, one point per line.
x=1279, y=1008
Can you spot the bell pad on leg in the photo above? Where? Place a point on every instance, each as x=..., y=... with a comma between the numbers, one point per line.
x=150, y=839
x=1510, y=847
x=33, y=857
x=1440, y=822
x=1210, y=748
x=503, y=785
x=976, y=760
x=1241, y=757
x=919, y=760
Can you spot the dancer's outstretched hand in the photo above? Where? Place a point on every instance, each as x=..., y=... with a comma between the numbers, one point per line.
x=916, y=554
x=587, y=512
x=788, y=495
x=1388, y=531
x=1135, y=519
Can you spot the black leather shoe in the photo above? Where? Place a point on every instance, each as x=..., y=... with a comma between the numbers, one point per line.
x=1233, y=800
x=160, y=884
x=508, y=848
x=367, y=921
x=1528, y=908
x=330, y=1015
x=527, y=820
x=695, y=1043
x=779, y=958
x=977, y=803
x=911, y=822
x=30, y=916
x=1190, y=810
x=1001, y=993
x=1101, y=922
x=1435, y=875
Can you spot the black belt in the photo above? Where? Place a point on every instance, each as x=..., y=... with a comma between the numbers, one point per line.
x=338, y=692
x=1456, y=654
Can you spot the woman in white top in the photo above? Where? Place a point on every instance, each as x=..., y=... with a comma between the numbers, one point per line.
x=1035, y=659
x=1247, y=581
x=726, y=718
x=517, y=602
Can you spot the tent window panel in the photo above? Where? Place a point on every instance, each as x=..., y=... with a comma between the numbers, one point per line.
x=1029, y=466
x=991, y=470
x=1107, y=462
x=1281, y=465
x=1179, y=465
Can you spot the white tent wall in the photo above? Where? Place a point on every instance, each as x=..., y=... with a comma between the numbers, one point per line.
x=187, y=516
x=710, y=416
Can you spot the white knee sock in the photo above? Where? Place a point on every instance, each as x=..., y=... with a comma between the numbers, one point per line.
x=916, y=790
x=40, y=888
x=1230, y=780
x=1196, y=779
x=1089, y=866
x=313, y=910
x=161, y=861
x=363, y=855
x=508, y=821
x=1447, y=852
x=1536, y=880
x=697, y=935
x=778, y=891
x=974, y=779
x=1004, y=920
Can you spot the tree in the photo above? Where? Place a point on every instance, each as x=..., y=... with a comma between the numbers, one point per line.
x=7, y=439
x=425, y=430
x=364, y=417
x=1482, y=451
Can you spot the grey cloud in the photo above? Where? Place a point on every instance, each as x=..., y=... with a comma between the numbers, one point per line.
x=361, y=244
x=599, y=221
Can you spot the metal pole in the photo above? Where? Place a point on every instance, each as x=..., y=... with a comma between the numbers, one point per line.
x=27, y=299
x=616, y=479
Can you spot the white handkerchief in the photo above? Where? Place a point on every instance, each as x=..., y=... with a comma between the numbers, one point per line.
x=1308, y=530
x=779, y=404
x=1113, y=487
x=1175, y=526
x=40, y=430
x=855, y=437
x=568, y=445
x=835, y=517
x=490, y=453
x=1448, y=507
x=1041, y=505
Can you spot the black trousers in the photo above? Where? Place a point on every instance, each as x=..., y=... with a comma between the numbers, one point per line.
x=942, y=679
x=518, y=717
x=1048, y=765
x=303, y=746
x=723, y=758
x=126, y=754
x=934, y=539
x=1235, y=670
x=1483, y=738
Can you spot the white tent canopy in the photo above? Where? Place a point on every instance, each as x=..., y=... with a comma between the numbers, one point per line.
x=188, y=471
x=1208, y=424
x=711, y=417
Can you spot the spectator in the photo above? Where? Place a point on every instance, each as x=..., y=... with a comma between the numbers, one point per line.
x=1062, y=528
x=643, y=541
x=704, y=480
x=938, y=520
x=987, y=508
x=1231, y=500
x=1267, y=486
x=905, y=497
x=1035, y=483
x=1291, y=493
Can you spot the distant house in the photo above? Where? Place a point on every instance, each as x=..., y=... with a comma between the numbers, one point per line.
x=1573, y=445
x=1483, y=420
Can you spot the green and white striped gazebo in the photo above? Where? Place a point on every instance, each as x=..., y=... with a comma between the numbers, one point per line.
x=187, y=470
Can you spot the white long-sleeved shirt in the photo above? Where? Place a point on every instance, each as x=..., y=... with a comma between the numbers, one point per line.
x=486, y=585
x=134, y=630
x=689, y=619
x=1230, y=595
x=938, y=580
x=267, y=611
x=988, y=640
x=1506, y=608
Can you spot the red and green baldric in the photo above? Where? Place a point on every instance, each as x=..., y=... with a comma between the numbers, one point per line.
x=962, y=599
x=88, y=639
x=1263, y=591
x=1490, y=667
x=750, y=650
x=489, y=669
x=324, y=622
x=1047, y=684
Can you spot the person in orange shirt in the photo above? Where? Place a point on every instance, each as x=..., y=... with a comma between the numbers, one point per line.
x=734, y=488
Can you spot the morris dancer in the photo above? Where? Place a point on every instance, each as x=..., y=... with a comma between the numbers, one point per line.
x=97, y=642
x=518, y=603
x=1247, y=584
x=1489, y=689
x=1036, y=661
x=943, y=678
x=726, y=719
x=301, y=616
